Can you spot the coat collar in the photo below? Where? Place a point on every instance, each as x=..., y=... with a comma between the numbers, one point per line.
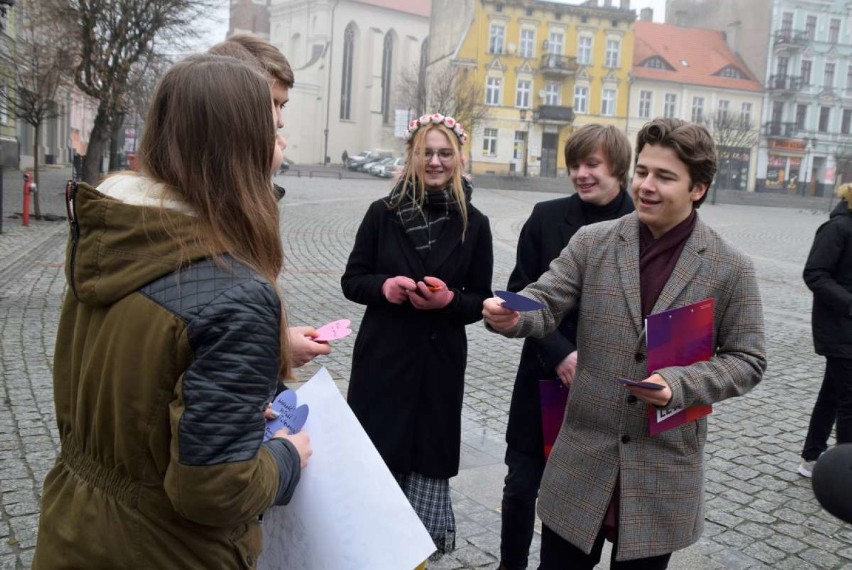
x=687, y=267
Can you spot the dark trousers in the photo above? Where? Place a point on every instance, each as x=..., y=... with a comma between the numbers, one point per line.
x=834, y=403
x=520, y=491
x=559, y=554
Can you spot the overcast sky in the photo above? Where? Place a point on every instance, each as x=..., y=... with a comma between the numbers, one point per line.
x=217, y=25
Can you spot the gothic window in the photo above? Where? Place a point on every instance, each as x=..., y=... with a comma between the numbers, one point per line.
x=387, y=67
x=346, y=73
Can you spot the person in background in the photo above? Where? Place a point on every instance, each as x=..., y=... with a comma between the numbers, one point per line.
x=172, y=340
x=607, y=477
x=262, y=54
x=422, y=264
x=598, y=160
x=828, y=274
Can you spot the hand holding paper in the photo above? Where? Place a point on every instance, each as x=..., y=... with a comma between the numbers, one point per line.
x=334, y=330
x=518, y=302
x=431, y=293
x=290, y=416
x=653, y=390
x=497, y=316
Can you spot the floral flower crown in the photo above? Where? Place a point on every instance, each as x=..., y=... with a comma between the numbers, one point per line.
x=437, y=119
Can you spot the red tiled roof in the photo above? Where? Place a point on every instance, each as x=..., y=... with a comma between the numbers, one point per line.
x=705, y=52
x=416, y=7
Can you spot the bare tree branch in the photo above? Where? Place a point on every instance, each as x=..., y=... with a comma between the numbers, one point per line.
x=108, y=39
x=448, y=90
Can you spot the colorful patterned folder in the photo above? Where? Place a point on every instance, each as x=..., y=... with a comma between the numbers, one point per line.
x=678, y=337
x=554, y=396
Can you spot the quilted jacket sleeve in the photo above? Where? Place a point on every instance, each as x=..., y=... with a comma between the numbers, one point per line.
x=219, y=472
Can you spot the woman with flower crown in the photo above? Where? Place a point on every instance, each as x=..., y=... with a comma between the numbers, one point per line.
x=422, y=264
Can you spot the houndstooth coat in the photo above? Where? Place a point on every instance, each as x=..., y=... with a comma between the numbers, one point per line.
x=604, y=436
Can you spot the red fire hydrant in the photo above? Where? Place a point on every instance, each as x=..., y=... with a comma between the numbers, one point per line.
x=29, y=188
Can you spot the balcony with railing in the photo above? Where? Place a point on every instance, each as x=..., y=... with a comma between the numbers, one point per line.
x=790, y=39
x=555, y=114
x=558, y=65
x=780, y=129
x=784, y=83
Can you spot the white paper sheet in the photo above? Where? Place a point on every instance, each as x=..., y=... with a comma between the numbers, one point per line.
x=348, y=512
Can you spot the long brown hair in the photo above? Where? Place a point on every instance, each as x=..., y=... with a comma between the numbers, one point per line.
x=209, y=137
x=415, y=169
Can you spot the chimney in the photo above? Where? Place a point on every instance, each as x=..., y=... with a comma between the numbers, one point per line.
x=732, y=36
x=681, y=18
x=646, y=14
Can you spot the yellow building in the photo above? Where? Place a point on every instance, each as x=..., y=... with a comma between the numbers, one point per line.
x=545, y=69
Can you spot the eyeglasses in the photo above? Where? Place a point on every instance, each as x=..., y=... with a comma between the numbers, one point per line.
x=444, y=154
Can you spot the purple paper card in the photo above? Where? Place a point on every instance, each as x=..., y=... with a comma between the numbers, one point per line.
x=290, y=415
x=518, y=302
x=645, y=385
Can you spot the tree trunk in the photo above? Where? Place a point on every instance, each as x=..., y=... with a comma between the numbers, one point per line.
x=97, y=143
x=36, y=205
x=114, y=148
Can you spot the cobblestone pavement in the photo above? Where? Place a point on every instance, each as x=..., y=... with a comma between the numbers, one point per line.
x=760, y=513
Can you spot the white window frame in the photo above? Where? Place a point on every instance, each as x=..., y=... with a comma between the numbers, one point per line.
x=608, y=97
x=670, y=105
x=724, y=109
x=584, y=52
x=526, y=44
x=554, y=46
x=489, y=141
x=581, y=99
x=553, y=94
x=613, y=53
x=523, y=89
x=494, y=38
x=646, y=100
x=746, y=113
x=697, y=115
x=493, y=91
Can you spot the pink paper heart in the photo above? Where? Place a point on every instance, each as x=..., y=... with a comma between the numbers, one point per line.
x=333, y=331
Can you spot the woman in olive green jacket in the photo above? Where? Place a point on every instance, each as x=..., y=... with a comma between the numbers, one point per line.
x=169, y=345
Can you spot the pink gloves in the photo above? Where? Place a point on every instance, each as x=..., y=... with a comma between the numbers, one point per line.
x=396, y=289
x=430, y=294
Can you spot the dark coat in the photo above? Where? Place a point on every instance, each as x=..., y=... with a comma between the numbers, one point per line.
x=828, y=273
x=408, y=365
x=547, y=231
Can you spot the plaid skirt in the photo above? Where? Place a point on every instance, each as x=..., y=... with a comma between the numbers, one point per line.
x=430, y=499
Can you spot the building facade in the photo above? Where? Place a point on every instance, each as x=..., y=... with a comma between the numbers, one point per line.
x=9, y=152
x=544, y=69
x=806, y=136
x=348, y=57
x=692, y=74
x=249, y=17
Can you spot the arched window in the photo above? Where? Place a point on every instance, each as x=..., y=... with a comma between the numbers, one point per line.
x=387, y=67
x=421, y=77
x=346, y=73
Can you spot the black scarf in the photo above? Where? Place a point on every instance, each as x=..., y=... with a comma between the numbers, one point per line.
x=423, y=223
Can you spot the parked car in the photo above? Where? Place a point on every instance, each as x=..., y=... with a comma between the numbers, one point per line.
x=373, y=167
x=355, y=162
x=391, y=169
